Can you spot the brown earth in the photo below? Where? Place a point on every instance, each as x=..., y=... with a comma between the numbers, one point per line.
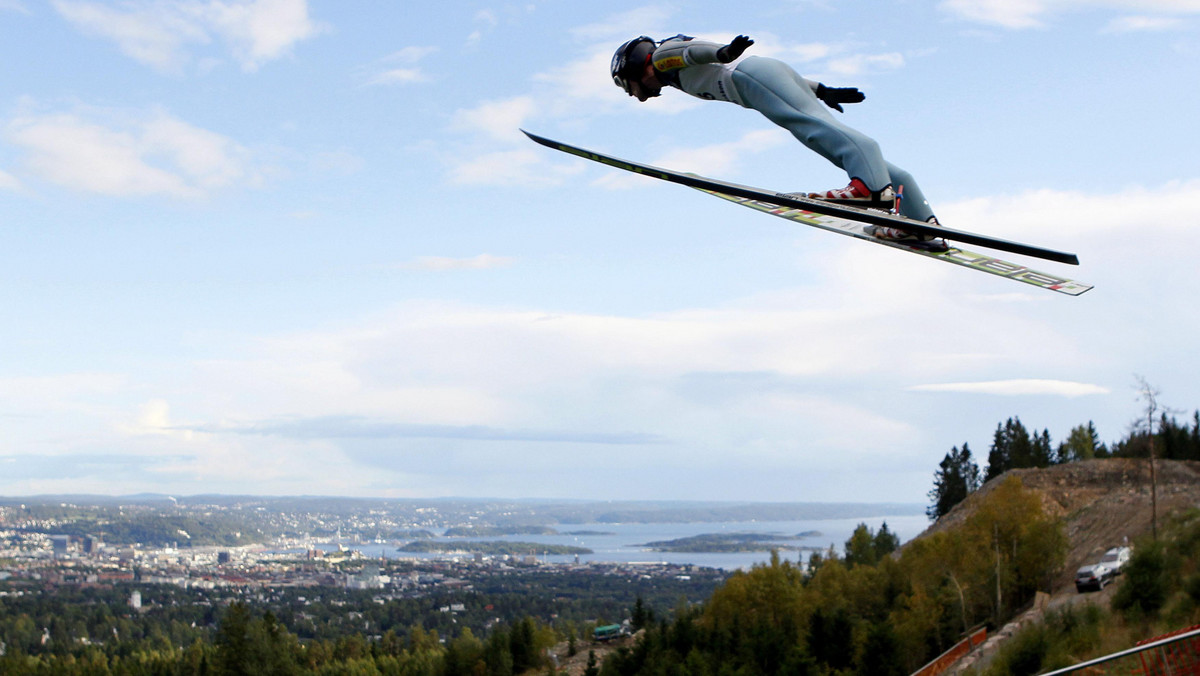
x=577, y=663
x=1105, y=503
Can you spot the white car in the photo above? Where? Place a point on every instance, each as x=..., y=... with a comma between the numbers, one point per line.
x=1094, y=576
x=1116, y=558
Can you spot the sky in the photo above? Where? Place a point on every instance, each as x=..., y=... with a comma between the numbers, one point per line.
x=284, y=247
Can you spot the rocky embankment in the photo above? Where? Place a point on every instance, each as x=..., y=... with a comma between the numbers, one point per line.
x=1105, y=503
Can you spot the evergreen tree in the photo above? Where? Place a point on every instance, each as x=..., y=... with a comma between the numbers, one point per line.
x=464, y=655
x=639, y=616
x=247, y=646
x=233, y=642
x=999, y=455
x=1013, y=447
x=881, y=652
x=886, y=542
x=1042, y=453
x=523, y=646
x=1178, y=442
x=497, y=655
x=956, y=478
x=830, y=635
x=1083, y=443
x=860, y=548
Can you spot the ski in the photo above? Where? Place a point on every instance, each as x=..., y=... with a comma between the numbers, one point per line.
x=957, y=256
x=810, y=205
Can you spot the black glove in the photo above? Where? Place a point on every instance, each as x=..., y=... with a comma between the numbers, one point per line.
x=734, y=49
x=834, y=97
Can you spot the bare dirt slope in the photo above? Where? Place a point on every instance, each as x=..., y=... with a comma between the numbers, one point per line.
x=575, y=665
x=1105, y=503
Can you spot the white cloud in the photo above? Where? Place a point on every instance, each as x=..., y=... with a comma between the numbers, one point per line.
x=649, y=20
x=14, y=6
x=1004, y=13
x=129, y=155
x=1013, y=388
x=501, y=120
x=151, y=34
x=584, y=87
x=480, y=262
x=1017, y=14
x=162, y=35
x=793, y=53
x=858, y=64
x=26, y=395
x=1142, y=24
x=154, y=419
x=259, y=30
x=8, y=181
x=1063, y=214
x=401, y=67
x=397, y=76
x=718, y=159
x=776, y=378
x=523, y=167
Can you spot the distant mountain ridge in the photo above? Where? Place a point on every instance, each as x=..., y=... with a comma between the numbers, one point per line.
x=508, y=512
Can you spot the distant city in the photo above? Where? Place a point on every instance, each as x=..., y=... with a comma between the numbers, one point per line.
x=210, y=542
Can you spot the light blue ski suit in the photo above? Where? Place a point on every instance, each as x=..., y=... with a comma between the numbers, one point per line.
x=786, y=98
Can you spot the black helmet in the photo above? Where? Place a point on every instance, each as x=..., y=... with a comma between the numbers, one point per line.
x=630, y=59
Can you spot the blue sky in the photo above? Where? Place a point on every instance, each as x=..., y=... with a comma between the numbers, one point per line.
x=289, y=247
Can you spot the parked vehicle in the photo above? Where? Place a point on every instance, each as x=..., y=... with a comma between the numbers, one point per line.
x=1094, y=576
x=1116, y=558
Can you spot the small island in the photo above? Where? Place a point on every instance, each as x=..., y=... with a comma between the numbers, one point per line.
x=497, y=531
x=724, y=543
x=491, y=548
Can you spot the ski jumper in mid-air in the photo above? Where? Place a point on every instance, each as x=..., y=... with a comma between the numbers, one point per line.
x=708, y=70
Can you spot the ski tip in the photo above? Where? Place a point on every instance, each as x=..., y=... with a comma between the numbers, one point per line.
x=534, y=137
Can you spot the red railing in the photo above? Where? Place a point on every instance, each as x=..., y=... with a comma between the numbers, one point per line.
x=1178, y=658
x=1173, y=654
x=947, y=659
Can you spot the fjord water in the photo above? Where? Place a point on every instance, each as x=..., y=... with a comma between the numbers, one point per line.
x=624, y=542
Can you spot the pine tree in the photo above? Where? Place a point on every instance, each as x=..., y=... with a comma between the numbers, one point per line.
x=1083, y=443
x=1000, y=458
x=860, y=548
x=639, y=616
x=886, y=542
x=956, y=478
x=521, y=644
x=233, y=641
x=497, y=655
x=1013, y=447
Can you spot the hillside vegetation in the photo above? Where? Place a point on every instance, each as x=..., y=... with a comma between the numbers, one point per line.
x=1023, y=532
x=1102, y=503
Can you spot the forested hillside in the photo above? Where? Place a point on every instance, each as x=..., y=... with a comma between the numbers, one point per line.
x=872, y=608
